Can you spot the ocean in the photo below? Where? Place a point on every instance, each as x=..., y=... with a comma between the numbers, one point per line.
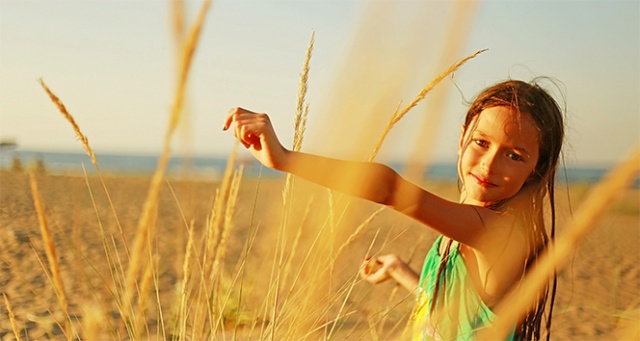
x=213, y=167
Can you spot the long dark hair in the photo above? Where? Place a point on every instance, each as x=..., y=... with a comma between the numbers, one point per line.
x=528, y=204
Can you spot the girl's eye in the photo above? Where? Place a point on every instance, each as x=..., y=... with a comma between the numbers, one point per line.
x=515, y=157
x=481, y=143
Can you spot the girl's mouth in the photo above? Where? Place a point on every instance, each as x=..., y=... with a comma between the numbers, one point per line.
x=482, y=181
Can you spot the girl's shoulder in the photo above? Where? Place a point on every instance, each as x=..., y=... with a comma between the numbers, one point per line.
x=505, y=229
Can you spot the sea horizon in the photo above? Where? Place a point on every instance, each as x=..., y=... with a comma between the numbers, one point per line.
x=213, y=166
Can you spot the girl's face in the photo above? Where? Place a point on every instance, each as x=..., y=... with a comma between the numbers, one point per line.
x=498, y=153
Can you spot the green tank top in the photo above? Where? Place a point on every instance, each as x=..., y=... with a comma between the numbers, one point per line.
x=459, y=313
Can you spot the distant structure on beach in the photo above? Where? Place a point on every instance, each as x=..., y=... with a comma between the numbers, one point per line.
x=8, y=144
x=11, y=145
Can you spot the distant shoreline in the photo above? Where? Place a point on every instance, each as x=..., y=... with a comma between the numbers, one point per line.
x=213, y=166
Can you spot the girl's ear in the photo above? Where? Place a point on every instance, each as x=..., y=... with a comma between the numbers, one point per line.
x=531, y=177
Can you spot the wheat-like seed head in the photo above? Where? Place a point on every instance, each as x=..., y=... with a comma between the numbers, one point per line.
x=299, y=121
x=178, y=20
x=12, y=318
x=228, y=220
x=398, y=115
x=145, y=288
x=68, y=117
x=215, y=225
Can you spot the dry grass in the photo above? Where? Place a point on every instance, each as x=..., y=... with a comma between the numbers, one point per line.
x=291, y=286
x=68, y=117
x=52, y=258
x=457, y=29
x=12, y=318
x=395, y=118
x=398, y=115
x=147, y=219
x=185, y=287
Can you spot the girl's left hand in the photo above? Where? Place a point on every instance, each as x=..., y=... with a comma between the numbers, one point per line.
x=381, y=268
x=378, y=269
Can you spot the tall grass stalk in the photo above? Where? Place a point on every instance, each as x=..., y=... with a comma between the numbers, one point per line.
x=251, y=236
x=457, y=29
x=185, y=288
x=111, y=252
x=592, y=208
x=159, y=312
x=147, y=220
x=208, y=274
x=373, y=240
x=296, y=241
x=85, y=143
x=358, y=231
x=52, y=258
x=68, y=117
x=396, y=286
x=301, y=294
x=339, y=315
x=178, y=21
x=119, y=289
x=53, y=318
x=305, y=261
x=217, y=215
x=141, y=304
x=12, y=318
x=230, y=209
x=398, y=115
x=395, y=118
x=217, y=269
x=302, y=108
x=300, y=120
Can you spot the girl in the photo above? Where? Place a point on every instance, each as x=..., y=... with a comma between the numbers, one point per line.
x=509, y=147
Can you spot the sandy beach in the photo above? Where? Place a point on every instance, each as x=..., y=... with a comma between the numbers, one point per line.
x=598, y=295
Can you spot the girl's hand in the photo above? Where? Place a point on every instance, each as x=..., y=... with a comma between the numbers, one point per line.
x=378, y=269
x=381, y=268
x=256, y=133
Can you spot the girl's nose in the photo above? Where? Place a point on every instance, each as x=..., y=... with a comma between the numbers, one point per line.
x=488, y=162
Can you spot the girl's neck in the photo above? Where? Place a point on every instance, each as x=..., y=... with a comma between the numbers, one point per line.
x=464, y=199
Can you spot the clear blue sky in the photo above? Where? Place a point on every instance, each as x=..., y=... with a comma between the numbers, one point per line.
x=111, y=63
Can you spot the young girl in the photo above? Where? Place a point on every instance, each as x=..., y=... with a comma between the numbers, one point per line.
x=509, y=147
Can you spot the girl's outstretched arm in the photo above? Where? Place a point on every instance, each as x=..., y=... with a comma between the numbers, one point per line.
x=370, y=181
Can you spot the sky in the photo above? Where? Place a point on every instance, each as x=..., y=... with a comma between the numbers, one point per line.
x=112, y=63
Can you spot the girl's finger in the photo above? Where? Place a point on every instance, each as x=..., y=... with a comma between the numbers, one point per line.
x=372, y=266
x=249, y=134
x=364, y=267
x=233, y=114
x=237, y=132
x=229, y=118
x=240, y=131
